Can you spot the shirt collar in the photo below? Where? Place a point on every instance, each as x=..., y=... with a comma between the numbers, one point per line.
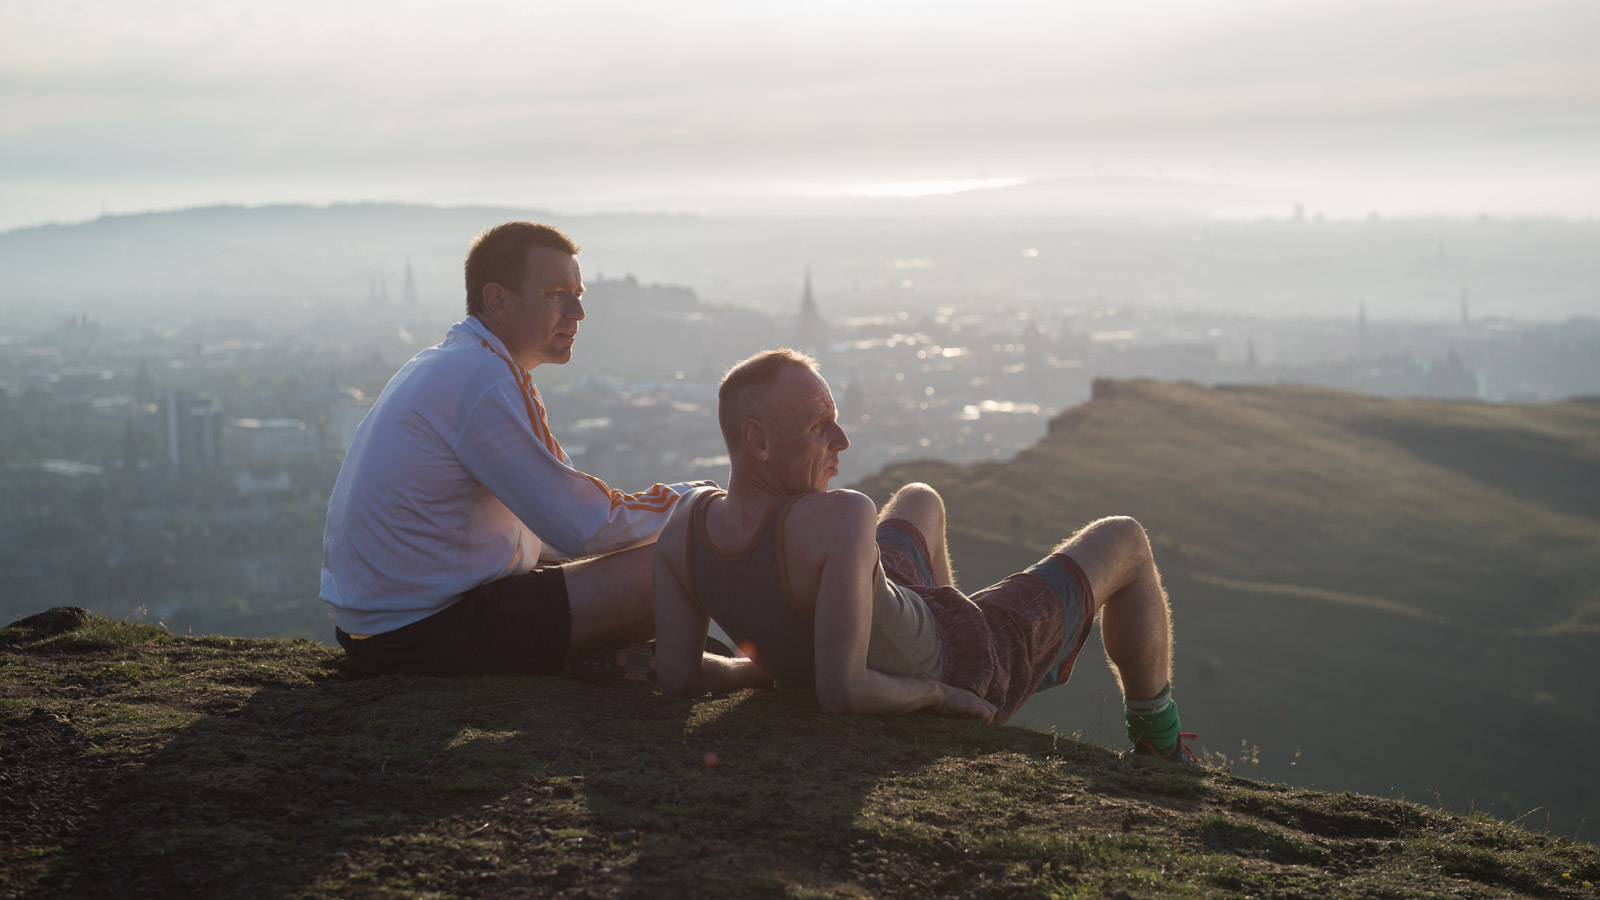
x=477, y=331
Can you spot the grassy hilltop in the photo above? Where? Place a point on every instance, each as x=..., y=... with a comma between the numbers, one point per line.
x=135, y=763
x=1400, y=597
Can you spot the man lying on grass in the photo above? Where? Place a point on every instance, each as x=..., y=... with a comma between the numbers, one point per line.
x=824, y=595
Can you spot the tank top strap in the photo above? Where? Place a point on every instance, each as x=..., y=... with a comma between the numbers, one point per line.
x=782, y=514
x=697, y=512
x=697, y=517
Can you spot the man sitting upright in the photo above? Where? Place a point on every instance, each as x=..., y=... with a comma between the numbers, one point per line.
x=822, y=594
x=454, y=490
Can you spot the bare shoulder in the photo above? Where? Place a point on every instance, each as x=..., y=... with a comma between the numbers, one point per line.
x=841, y=502
x=830, y=516
x=828, y=529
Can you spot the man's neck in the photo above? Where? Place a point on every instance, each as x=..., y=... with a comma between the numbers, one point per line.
x=511, y=351
x=750, y=495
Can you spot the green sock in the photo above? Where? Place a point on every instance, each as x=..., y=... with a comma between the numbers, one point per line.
x=1154, y=721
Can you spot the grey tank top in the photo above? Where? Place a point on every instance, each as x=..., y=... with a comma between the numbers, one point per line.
x=747, y=593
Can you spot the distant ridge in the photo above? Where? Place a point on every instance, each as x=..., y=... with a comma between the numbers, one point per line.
x=1366, y=581
x=226, y=259
x=237, y=260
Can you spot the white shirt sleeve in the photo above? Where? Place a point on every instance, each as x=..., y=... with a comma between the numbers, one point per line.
x=506, y=446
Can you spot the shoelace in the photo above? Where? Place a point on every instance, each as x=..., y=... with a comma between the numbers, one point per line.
x=1185, y=747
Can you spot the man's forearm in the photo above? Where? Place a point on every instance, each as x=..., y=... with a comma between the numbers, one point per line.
x=879, y=694
x=721, y=674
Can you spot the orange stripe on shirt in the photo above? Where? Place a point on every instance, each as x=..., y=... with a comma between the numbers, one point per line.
x=653, y=507
x=659, y=498
x=530, y=400
x=549, y=438
x=526, y=397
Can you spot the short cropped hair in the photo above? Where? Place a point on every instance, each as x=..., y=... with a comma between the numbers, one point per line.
x=758, y=370
x=500, y=254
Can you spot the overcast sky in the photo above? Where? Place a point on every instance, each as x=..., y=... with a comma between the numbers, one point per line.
x=1453, y=107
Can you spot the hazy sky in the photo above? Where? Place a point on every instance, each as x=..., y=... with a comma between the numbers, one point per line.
x=1455, y=106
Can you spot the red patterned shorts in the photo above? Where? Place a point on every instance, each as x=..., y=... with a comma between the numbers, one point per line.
x=1008, y=641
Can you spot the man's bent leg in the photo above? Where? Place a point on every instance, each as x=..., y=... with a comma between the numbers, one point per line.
x=922, y=506
x=1136, y=627
x=1135, y=623
x=611, y=598
x=517, y=625
x=522, y=624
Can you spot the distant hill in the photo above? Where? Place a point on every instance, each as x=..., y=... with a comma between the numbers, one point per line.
x=278, y=261
x=272, y=261
x=136, y=763
x=221, y=260
x=1379, y=595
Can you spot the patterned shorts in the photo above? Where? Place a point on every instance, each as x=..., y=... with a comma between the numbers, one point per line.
x=1007, y=641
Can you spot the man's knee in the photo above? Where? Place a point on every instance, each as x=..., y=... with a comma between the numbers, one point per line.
x=917, y=492
x=624, y=577
x=1119, y=535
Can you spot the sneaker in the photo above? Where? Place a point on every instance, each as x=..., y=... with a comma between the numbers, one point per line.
x=608, y=661
x=1179, y=752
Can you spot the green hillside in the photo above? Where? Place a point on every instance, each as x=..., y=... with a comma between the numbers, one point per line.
x=1379, y=595
x=136, y=763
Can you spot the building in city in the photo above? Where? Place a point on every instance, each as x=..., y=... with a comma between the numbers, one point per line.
x=191, y=432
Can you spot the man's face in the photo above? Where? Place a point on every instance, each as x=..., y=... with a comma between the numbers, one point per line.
x=805, y=436
x=543, y=312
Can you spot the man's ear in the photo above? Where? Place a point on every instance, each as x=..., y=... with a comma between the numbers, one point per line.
x=754, y=435
x=495, y=297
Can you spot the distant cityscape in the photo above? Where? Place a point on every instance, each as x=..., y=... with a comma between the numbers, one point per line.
x=180, y=473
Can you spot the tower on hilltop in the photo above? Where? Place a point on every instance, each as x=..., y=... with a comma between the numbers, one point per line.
x=812, y=329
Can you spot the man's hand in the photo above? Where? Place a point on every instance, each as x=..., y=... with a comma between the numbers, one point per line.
x=954, y=701
x=722, y=674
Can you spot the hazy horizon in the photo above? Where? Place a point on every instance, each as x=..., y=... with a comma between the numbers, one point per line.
x=866, y=212
x=1225, y=108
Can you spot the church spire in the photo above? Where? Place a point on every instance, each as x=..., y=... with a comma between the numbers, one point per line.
x=408, y=293
x=813, y=329
x=808, y=302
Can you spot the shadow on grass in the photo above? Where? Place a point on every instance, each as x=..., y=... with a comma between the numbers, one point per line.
x=346, y=787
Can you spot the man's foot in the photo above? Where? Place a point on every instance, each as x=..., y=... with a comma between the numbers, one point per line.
x=1178, y=753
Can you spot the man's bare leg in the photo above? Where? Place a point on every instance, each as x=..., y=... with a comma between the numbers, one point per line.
x=922, y=506
x=611, y=598
x=1136, y=622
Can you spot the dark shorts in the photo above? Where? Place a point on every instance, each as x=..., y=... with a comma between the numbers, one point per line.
x=1008, y=641
x=517, y=625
